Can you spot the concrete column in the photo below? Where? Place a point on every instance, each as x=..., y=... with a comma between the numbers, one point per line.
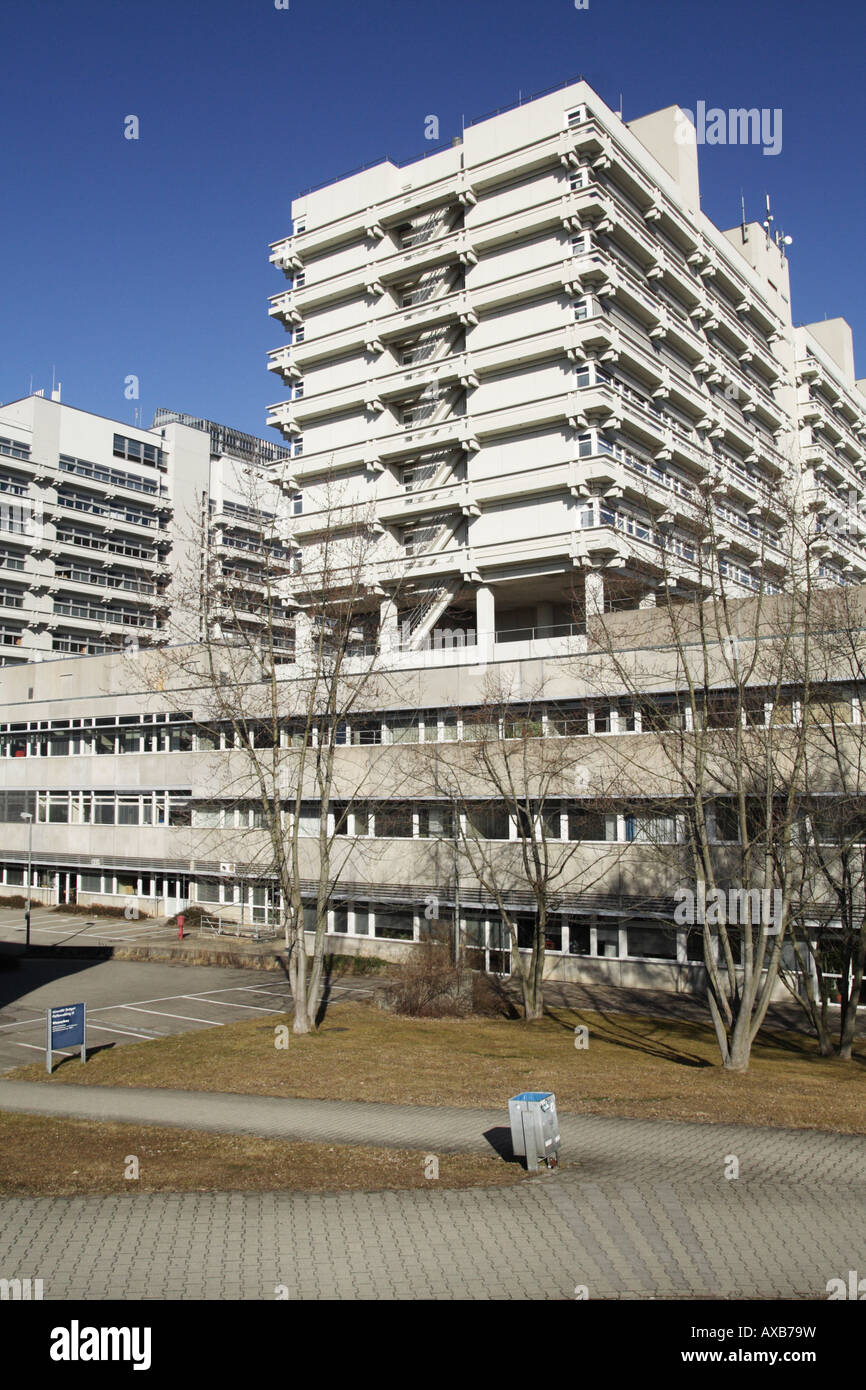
x=594, y=594
x=648, y=600
x=485, y=622
x=389, y=631
x=543, y=618
x=303, y=640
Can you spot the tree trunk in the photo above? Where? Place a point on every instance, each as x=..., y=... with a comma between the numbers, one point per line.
x=302, y=1022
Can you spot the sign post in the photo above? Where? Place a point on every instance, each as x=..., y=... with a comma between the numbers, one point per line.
x=65, y=1026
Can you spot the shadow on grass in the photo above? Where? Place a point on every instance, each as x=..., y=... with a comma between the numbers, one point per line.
x=61, y=1063
x=619, y=1033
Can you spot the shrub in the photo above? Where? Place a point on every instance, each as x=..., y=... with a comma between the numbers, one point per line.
x=430, y=985
x=95, y=910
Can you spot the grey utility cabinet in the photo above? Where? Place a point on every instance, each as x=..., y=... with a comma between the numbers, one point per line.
x=534, y=1128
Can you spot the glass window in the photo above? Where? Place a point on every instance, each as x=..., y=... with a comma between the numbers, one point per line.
x=393, y=822
x=403, y=728
x=392, y=925
x=653, y=943
x=103, y=810
x=179, y=812
x=369, y=732
x=90, y=883
x=127, y=810
x=488, y=821
x=568, y=721
x=436, y=822
x=578, y=940
x=608, y=942
x=58, y=808
x=207, y=891
x=586, y=824
x=553, y=937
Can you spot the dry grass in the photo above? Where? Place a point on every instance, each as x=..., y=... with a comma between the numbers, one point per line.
x=46, y=1157
x=648, y=1067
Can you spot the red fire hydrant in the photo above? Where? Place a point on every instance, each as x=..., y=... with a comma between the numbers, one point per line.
x=180, y=921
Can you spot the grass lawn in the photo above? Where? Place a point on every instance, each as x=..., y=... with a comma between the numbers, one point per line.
x=638, y=1066
x=45, y=1157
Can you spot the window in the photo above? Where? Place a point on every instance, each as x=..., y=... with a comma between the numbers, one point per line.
x=652, y=943
x=487, y=821
x=90, y=883
x=127, y=810
x=368, y=732
x=394, y=823
x=436, y=822
x=393, y=925
x=568, y=722
x=402, y=728
x=207, y=891
x=589, y=824
x=579, y=940
x=138, y=451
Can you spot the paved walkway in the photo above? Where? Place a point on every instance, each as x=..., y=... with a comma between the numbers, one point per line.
x=644, y=1212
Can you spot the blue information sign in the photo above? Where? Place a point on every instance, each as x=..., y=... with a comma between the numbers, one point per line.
x=65, y=1027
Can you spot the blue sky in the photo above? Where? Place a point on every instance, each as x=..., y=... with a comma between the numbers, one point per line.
x=150, y=257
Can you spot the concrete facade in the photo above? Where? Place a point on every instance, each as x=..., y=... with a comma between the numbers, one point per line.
x=101, y=525
x=530, y=351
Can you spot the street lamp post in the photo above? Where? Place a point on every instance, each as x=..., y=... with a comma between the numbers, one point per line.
x=28, y=816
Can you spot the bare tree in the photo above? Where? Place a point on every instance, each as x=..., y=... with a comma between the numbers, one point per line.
x=828, y=921
x=507, y=785
x=712, y=673
x=283, y=655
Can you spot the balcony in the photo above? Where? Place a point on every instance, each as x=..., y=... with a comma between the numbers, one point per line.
x=282, y=306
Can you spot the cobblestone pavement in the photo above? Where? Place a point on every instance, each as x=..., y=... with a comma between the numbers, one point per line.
x=643, y=1209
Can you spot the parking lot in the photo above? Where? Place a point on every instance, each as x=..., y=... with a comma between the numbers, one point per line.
x=127, y=1001
x=57, y=928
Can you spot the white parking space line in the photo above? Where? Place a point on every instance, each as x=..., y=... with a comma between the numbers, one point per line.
x=42, y=1049
x=225, y=1004
x=107, y=1028
x=163, y=1013
x=264, y=989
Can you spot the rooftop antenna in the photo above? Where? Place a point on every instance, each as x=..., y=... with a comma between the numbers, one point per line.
x=619, y=112
x=769, y=218
x=744, y=226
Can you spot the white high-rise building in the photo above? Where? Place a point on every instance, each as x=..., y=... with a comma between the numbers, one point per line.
x=99, y=519
x=527, y=351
